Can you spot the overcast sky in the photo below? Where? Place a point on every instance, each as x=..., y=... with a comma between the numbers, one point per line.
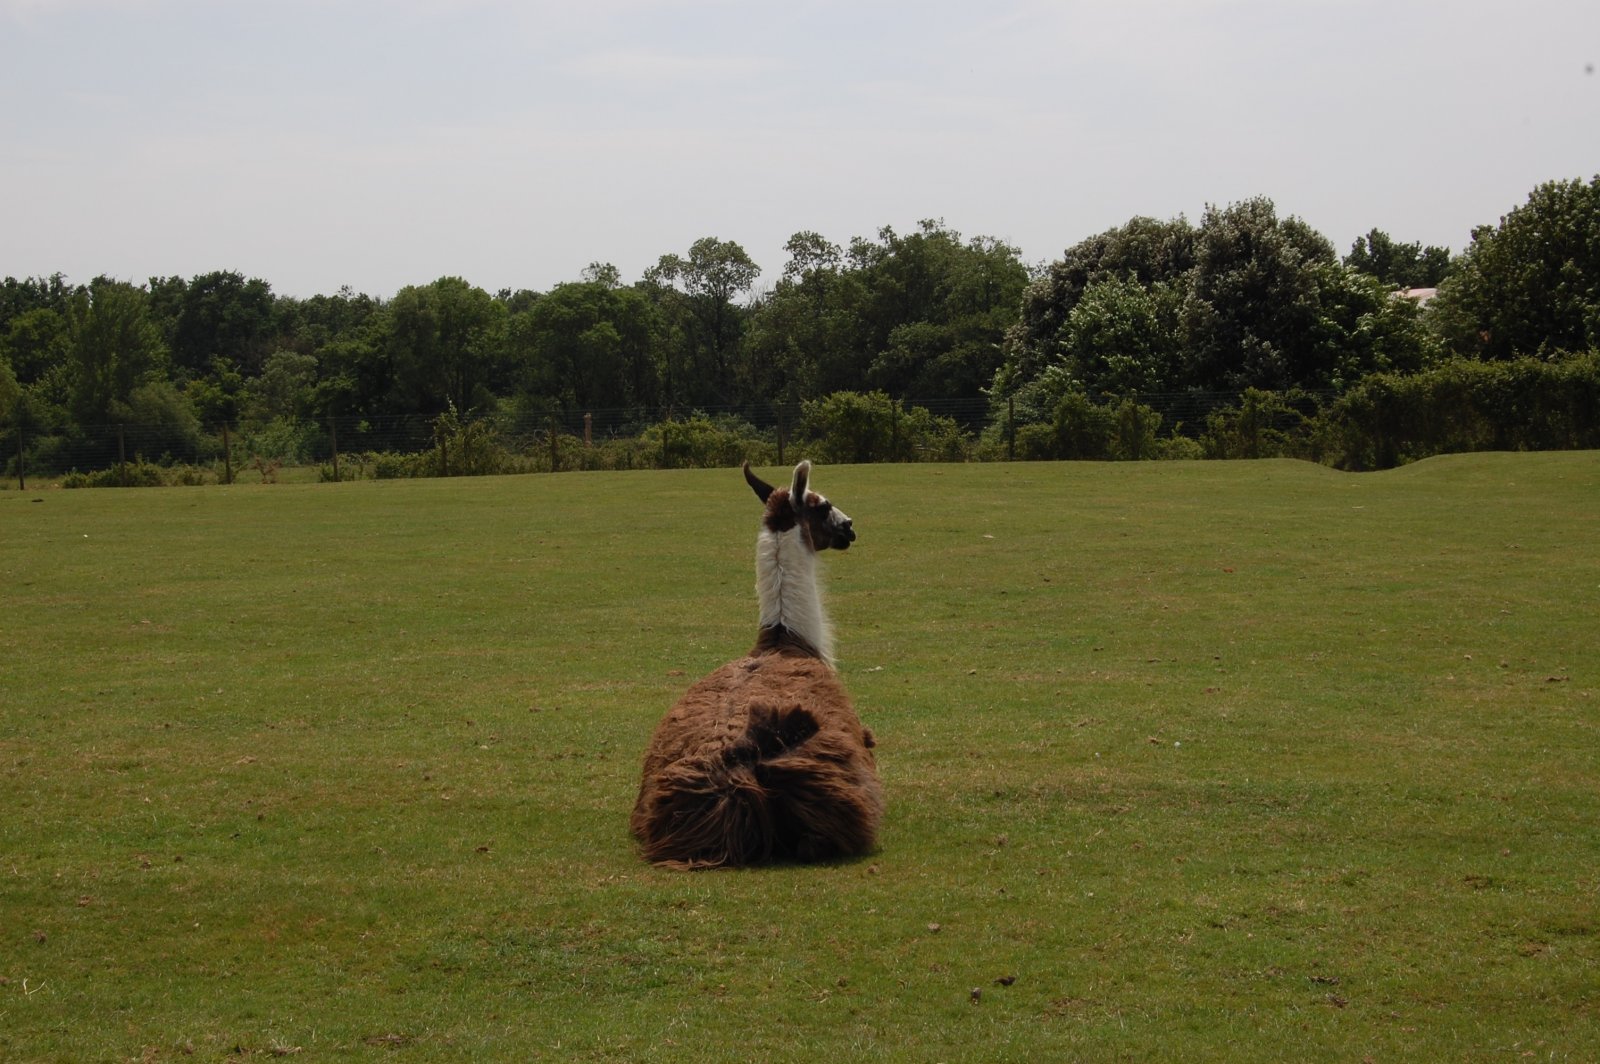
x=381, y=143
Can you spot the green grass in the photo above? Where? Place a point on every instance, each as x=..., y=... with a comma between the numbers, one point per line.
x=1213, y=761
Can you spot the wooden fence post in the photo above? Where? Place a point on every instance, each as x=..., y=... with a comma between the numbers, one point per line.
x=1011, y=428
x=22, y=481
x=227, y=456
x=122, y=459
x=333, y=439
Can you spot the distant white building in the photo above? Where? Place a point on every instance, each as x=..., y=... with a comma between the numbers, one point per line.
x=1419, y=295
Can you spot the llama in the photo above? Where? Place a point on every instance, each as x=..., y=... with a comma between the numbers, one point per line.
x=765, y=759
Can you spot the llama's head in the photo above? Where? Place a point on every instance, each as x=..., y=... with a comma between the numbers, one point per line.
x=823, y=524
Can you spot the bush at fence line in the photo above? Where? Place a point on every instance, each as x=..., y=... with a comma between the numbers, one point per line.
x=628, y=452
x=705, y=442
x=1081, y=429
x=465, y=448
x=388, y=465
x=159, y=419
x=1178, y=448
x=135, y=474
x=871, y=427
x=285, y=440
x=1263, y=425
x=1464, y=405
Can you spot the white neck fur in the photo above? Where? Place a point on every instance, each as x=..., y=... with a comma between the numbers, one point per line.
x=786, y=587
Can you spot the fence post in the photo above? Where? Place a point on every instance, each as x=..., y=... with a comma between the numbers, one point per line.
x=22, y=482
x=227, y=455
x=1011, y=428
x=588, y=430
x=122, y=459
x=333, y=439
x=555, y=445
x=781, y=434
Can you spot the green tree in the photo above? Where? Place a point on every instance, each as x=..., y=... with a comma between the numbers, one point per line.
x=113, y=348
x=936, y=311
x=218, y=313
x=1244, y=300
x=34, y=341
x=1124, y=337
x=285, y=388
x=215, y=397
x=444, y=340
x=919, y=316
x=698, y=291
x=10, y=390
x=1531, y=285
x=1144, y=252
x=588, y=345
x=1398, y=265
x=1252, y=309
x=803, y=338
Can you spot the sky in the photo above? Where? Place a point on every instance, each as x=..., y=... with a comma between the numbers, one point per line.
x=381, y=143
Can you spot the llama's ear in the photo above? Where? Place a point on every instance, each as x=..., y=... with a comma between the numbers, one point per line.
x=802, y=478
x=761, y=487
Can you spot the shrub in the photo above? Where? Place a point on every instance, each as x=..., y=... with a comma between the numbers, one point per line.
x=135, y=474
x=387, y=465
x=871, y=427
x=702, y=442
x=1263, y=425
x=285, y=440
x=465, y=448
x=1465, y=405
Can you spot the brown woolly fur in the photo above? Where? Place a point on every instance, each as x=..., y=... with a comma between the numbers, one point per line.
x=765, y=759
x=762, y=760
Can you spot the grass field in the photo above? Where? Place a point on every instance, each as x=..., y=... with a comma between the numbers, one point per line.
x=1199, y=761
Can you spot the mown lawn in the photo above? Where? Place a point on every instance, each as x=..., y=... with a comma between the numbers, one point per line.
x=1200, y=761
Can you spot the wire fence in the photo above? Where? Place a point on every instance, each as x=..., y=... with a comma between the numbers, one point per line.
x=346, y=445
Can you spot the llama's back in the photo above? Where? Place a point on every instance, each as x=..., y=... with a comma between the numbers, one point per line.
x=763, y=760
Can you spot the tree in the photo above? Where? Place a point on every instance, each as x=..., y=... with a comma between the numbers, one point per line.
x=1252, y=308
x=32, y=293
x=218, y=313
x=918, y=316
x=1531, y=285
x=1124, y=337
x=10, y=390
x=1145, y=252
x=936, y=311
x=705, y=282
x=1398, y=265
x=444, y=341
x=285, y=387
x=113, y=348
x=34, y=341
x=1244, y=300
x=215, y=397
x=803, y=339
x=587, y=345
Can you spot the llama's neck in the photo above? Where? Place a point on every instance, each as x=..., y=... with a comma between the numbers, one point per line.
x=786, y=586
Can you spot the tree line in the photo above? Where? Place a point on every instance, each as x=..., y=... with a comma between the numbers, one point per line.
x=1242, y=301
